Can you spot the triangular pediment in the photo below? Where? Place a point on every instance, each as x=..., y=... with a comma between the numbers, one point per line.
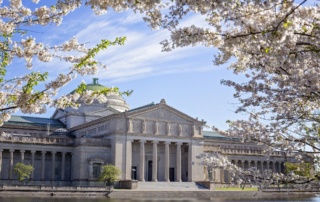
x=163, y=113
x=161, y=119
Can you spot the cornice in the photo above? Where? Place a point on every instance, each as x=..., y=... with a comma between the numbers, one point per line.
x=169, y=108
x=98, y=121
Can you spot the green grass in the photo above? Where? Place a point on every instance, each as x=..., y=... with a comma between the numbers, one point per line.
x=236, y=189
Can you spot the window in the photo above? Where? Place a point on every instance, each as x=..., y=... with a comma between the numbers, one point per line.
x=210, y=176
x=96, y=169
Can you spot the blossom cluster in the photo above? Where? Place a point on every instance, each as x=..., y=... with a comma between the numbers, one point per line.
x=19, y=93
x=252, y=175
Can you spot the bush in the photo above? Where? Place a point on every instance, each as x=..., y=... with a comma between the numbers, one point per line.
x=23, y=171
x=109, y=174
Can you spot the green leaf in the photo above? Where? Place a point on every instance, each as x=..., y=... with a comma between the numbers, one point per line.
x=286, y=24
x=304, y=28
x=267, y=50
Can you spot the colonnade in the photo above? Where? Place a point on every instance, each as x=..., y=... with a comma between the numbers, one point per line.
x=43, y=163
x=155, y=155
x=224, y=175
x=261, y=165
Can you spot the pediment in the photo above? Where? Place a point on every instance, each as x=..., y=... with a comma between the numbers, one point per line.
x=163, y=113
x=161, y=119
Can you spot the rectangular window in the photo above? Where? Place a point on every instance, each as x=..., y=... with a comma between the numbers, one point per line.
x=96, y=169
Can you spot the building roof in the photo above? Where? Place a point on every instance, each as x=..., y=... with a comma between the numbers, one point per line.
x=95, y=86
x=34, y=121
x=215, y=135
x=142, y=107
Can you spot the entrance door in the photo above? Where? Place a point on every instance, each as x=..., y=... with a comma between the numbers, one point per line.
x=149, y=170
x=171, y=176
x=134, y=172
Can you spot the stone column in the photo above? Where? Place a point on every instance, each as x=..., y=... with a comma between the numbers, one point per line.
x=262, y=169
x=142, y=159
x=90, y=168
x=43, y=161
x=279, y=167
x=222, y=175
x=166, y=161
x=1, y=150
x=178, y=160
x=72, y=165
x=273, y=167
x=63, y=164
x=128, y=159
x=32, y=163
x=189, y=163
x=11, y=163
x=242, y=165
x=22, y=156
x=256, y=164
x=155, y=161
x=53, y=164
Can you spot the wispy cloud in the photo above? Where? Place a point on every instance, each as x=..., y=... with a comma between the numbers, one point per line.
x=140, y=57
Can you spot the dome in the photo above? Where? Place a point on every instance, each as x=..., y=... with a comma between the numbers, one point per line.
x=95, y=86
x=114, y=101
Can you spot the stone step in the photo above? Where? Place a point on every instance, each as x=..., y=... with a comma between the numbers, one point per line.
x=169, y=186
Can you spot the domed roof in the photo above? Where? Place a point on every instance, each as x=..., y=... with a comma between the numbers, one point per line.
x=95, y=86
x=114, y=101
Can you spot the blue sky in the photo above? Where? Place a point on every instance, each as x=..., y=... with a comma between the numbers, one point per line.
x=185, y=77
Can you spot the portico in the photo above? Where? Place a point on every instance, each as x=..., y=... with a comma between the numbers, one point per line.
x=154, y=160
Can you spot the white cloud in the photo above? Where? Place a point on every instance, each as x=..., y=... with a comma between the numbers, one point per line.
x=141, y=55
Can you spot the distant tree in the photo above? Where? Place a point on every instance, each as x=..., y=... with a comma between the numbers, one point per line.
x=109, y=174
x=23, y=171
x=302, y=169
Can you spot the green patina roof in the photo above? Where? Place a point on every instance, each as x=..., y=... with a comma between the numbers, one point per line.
x=95, y=86
x=215, y=135
x=34, y=121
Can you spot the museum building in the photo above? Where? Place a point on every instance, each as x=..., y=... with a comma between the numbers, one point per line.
x=155, y=142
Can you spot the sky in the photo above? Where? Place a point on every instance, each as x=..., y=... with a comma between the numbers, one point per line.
x=185, y=77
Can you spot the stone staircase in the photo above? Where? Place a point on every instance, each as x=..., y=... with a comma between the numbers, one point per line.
x=169, y=186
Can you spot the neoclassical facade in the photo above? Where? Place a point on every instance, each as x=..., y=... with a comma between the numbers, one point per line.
x=155, y=142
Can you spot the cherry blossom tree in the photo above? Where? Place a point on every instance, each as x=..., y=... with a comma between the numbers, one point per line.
x=275, y=43
x=16, y=43
x=215, y=160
